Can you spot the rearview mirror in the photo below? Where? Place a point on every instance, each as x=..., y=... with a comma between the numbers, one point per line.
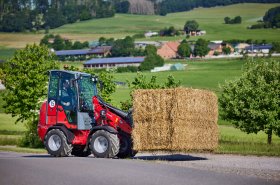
x=101, y=85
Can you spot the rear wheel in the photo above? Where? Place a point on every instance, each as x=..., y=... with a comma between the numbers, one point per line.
x=56, y=143
x=104, y=144
x=78, y=151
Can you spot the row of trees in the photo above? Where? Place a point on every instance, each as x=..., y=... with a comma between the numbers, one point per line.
x=200, y=48
x=22, y=15
x=58, y=43
x=235, y=20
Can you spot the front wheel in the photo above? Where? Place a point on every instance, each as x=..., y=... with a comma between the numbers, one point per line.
x=56, y=143
x=104, y=144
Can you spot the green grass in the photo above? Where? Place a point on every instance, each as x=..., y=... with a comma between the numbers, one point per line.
x=200, y=74
x=6, y=53
x=8, y=126
x=10, y=133
x=209, y=19
x=233, y=141
x=9, y=139
x=21, y=149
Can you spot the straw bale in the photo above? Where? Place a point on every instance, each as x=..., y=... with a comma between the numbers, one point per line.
x=175, y=119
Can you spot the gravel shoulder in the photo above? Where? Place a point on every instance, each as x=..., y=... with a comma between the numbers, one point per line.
x=262, y=167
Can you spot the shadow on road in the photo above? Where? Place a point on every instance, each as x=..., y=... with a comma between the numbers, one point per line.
x=39, y=156
x=173, y=157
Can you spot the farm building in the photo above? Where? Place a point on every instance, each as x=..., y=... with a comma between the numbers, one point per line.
x=218, y=48
x=240, y=47
x=143, y=44
x=101, y=51
x=169, y=50
x=258, y=48
x=113, y=62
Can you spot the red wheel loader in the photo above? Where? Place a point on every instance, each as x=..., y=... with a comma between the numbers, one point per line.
x=75, y=120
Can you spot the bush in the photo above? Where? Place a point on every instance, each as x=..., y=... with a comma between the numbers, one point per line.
x=127, y=69
x=31, y=138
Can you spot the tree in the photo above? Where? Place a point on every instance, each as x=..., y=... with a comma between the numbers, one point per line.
x=123, y=47
x=102, y=41
x=227, y=20
x=201, y=47
x=58, y=43
x=152, y=59
x=237, y=20
x=272, y=17
x=184, y=50
x=191, y=26
x=275, y=47
x=108, y=85
x=150, y=50
x=252, y=102
x=25, y=78
x=226, y=50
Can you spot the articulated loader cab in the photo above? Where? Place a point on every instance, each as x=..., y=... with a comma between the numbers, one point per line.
x=75, y=120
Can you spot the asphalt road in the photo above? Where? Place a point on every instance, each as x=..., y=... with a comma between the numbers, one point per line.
x=34, y=169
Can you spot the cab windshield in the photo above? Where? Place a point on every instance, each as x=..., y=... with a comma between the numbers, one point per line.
x=87, y=89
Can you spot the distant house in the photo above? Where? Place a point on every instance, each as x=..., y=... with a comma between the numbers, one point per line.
x=143, y=44
x=101, y=51
x=150, y=34
x=197, y=33
x=169, y=50
x=218, y=48
x=113, y=62
x=258, y=48
x=240, y=47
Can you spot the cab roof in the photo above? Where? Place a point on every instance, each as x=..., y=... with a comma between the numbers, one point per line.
x=71, y=72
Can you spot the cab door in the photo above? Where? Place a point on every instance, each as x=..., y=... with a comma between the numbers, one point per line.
x=52, y=97
x=67, y=100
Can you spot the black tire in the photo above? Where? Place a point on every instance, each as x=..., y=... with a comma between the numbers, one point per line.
x=56, y=143
x=125, y=146
x=104, y=144
x=78, y=151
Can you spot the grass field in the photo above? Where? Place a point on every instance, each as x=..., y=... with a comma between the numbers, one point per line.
x=232, y=140
x=209, y=19
x=201, y=74
x=10, y=133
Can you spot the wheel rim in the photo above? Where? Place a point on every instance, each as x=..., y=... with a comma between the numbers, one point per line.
x=54, y=142
x=101, y=144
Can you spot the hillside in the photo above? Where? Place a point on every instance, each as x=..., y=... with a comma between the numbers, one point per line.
x=209, y=19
